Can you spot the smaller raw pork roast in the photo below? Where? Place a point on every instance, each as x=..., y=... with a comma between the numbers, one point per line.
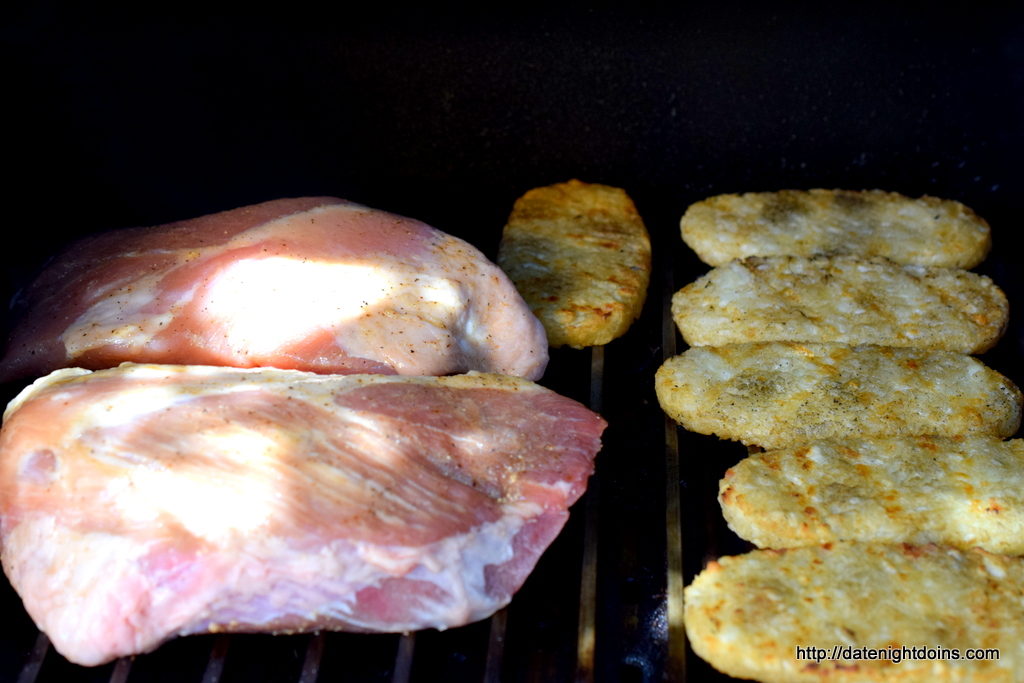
x=316, y=284
x=145, y=502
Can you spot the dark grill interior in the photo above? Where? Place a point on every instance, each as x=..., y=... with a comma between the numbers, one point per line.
x=135, y=119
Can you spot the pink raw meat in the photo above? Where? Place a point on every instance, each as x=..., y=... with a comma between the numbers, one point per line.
x=316, y=284
x=146, y=502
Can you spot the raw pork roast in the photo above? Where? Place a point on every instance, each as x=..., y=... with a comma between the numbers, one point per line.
x=146, y=502
x=317, y=284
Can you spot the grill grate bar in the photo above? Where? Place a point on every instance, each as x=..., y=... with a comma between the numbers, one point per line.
x=675, y=669
x=495, y=647
x=403, y=658
x=121, y=671
x=311, y=663
x=30, y=670
x=587, y=629
x=597, y=378
x=215, y=665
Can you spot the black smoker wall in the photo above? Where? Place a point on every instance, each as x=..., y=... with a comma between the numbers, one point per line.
x=135, y=117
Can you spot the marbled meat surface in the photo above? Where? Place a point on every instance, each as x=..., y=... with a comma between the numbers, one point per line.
x=148, y=501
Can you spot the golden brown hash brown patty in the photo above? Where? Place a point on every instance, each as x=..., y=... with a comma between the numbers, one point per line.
x=964, y=492
x=843, y=299
x=775, y=394
x=581, y=258
x=924, y=230
x=748, y=614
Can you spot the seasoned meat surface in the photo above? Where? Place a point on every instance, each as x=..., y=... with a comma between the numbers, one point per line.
x=145, y=502
x=316, y=284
